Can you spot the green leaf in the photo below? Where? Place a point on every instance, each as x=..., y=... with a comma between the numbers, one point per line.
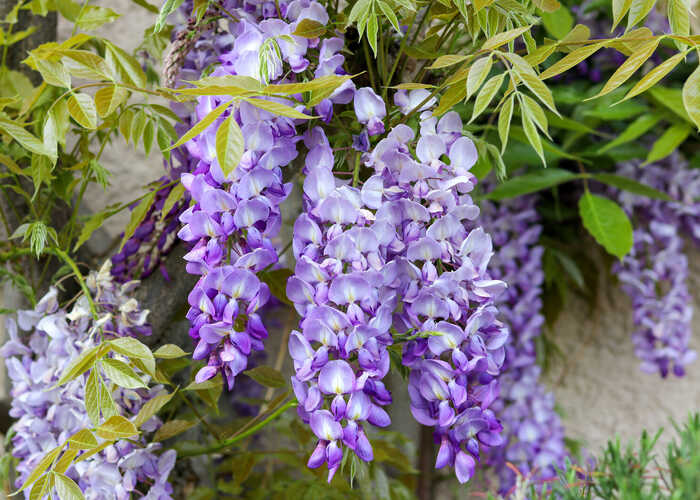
x=173, y=428
x=65, y=460
x=202, y=125
x=558, y=23
x=631, y=185
x=169, y=351
x=82, y=109
x=655, y=75
x=137, y=216
x=82, y=440
x=108, y=99
x=149, y=133
x=691, y=96
x=84, y=64
x=504, y=118
x=26, y=139
x=53, y=73
x=175, y=195
x=679, y=16
x=571, y=59
x=390, y=15
x=230, y=144
x=540, y=90
x=212, y=383
x=308, y=28
x=124, y=65
x=635, y=129
x=531, y=183
x=536, y=113
x=117, y=427
x=169, y=6
x=278, y=109
x=619, y=9
x=449, y=60
x=41, y=487
x=324, y=83
x=359, y=10
x=135, y=349
x=41, y=467
x=122, y=374
x=93, y=397
x=531, y=133
x=138, y=124
x=486, y=94
x=79, y=365
x=669, y=142
x=276, y=280
x=627, y=69
x=607, y=223
x=478, y=72
x=93, y=17
x=151, y=407
x=502, y=38
x=66, y=488
x=638, y=11
x=672, y=99
x=90, y=226
x=125, y=121
x=267, y=376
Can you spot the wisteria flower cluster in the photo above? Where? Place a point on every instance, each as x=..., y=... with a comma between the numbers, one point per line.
x=155, y=236
x=47, y=415
x=399, y=258
x=533, y=432
x=236, y=215
x=655, y=273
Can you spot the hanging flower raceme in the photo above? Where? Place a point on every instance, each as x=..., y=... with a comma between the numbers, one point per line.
x=237, y=214
x=48, y=415
x=340, y=353
x=437, y=262
x=191, y=53
x=655, y=272
x=533, y=433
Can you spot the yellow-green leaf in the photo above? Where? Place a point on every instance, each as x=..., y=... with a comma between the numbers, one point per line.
x=175, y=195
x=328, y=82
x=124, y=65
x=505, y=37
x=107, y=99
x=53, y=73
x=122, y=374
x=79, y=365
x=137, y=216
x=537, y=113
x=619, y=9
x=531, y=133
x=447, y=60
x=655, y=75
x=638, y=11
x=42, y=486
x=607, y=222
x=504, y=118
x=169, y=351
x=202, y=125
x=308, y=28
x=477, y=74
x=691, y=96
x=151, y=407
x=230, y=144
x=627, y=69
x=278, y=109
x=669, y=141
x=486, y=95
x=84, y=64
x=572, y=59
x=679, y=16
x=173, y=428
x=26, y=139
x=65, y=460
x=93, y=397
x=133, y=348
x=82, y=440
x=66, y=488
x=117, y=427
x=82, y=109
x=540, y=90
x=412, y=86
x=41, y=467
x=452, y=96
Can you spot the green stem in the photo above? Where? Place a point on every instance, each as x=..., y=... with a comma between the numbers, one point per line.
x=80, y=15
x=228, y=442
x=404, y=39
x=356, y=171
x=368, y=61
x=71, y=263
x=199, y=416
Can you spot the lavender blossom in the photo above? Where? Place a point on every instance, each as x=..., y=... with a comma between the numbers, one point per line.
x=437, y=262
x=654, y=274
x=340, y=355
x=47, y=415
x=237, y=215
x=533, y=432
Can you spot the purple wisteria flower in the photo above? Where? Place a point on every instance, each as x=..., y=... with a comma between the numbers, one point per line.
x=340, y=355
x=533, y=432
x=655, y=273
x=47, y=415
x=436, y=263
x=154, y=238
x=237, y=215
